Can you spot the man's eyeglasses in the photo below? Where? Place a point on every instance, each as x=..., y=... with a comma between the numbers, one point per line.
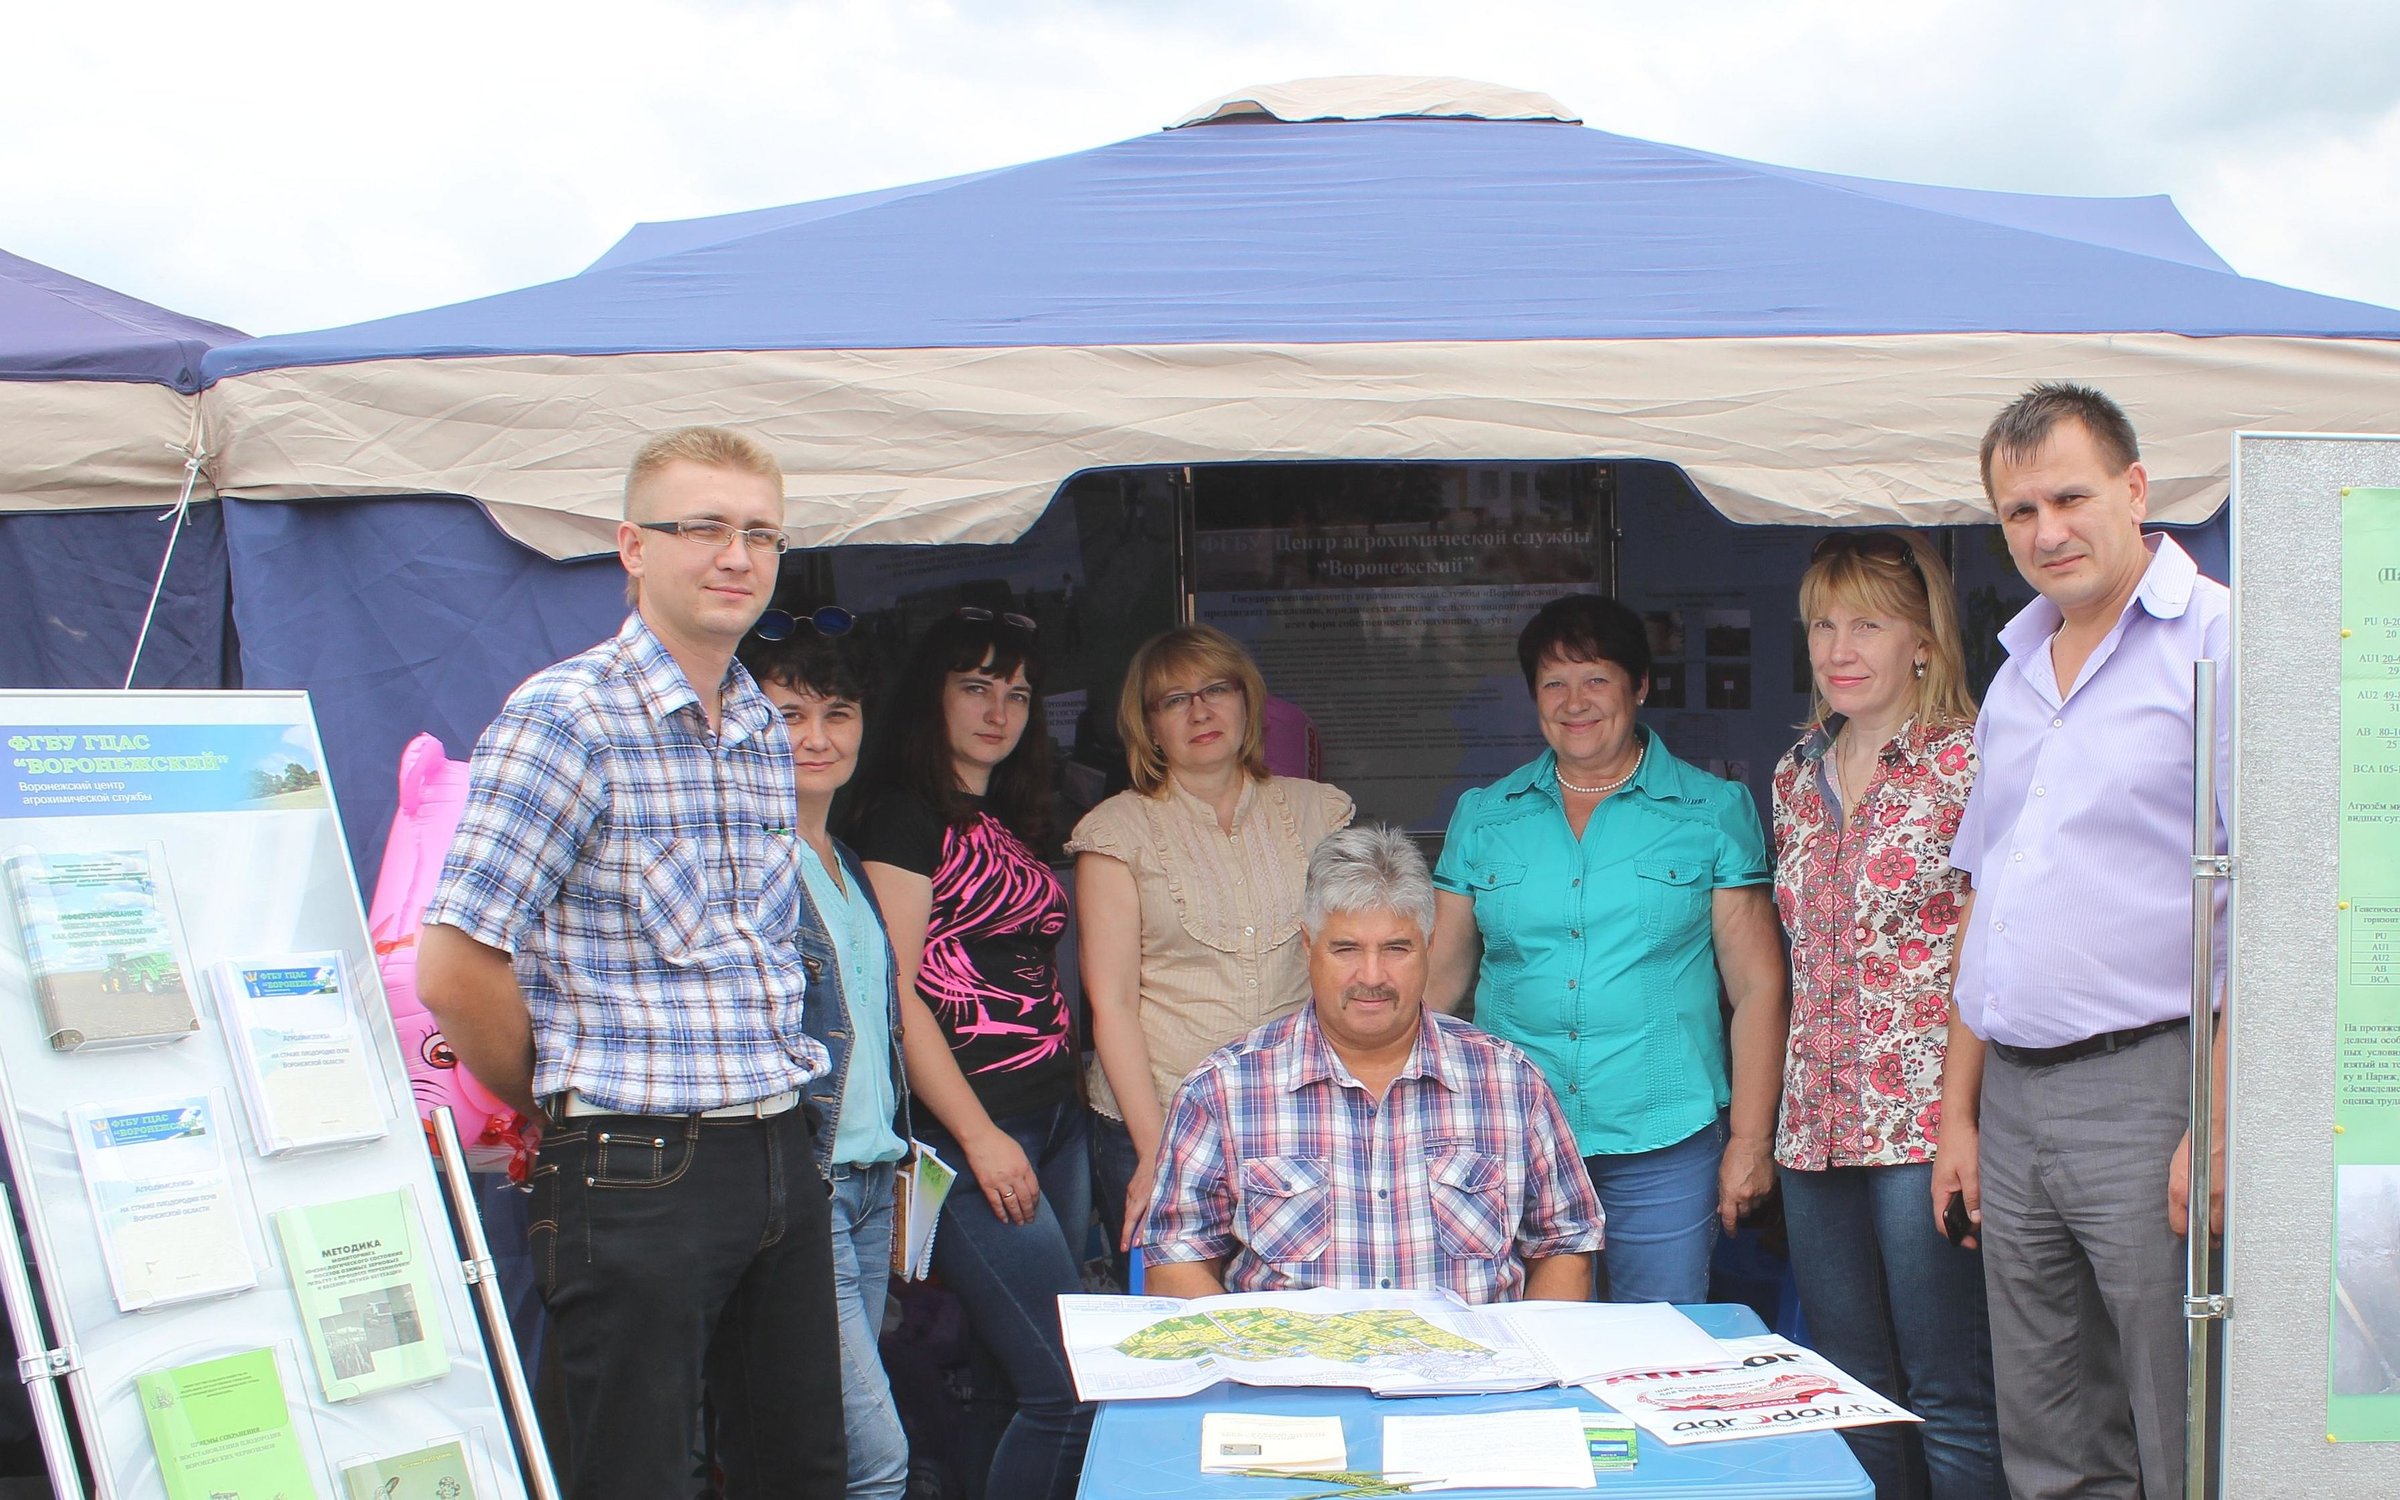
x=980, y=615
x=715, y=534
x=781, y=624
x=1217, y=695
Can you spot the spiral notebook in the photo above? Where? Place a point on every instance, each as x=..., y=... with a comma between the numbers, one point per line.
x=919, y=1190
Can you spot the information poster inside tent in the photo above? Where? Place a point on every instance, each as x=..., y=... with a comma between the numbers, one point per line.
x=1398, y=635
x=2363, y=1402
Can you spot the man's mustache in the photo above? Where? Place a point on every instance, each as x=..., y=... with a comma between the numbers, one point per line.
x=1356, y=992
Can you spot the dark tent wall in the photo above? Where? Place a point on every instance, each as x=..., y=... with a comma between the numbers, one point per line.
x=78, y=582
x=400, y=616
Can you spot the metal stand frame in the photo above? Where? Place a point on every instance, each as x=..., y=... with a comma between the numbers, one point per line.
x=2203, y=1305
x=38, y=1365
x=484, y=1277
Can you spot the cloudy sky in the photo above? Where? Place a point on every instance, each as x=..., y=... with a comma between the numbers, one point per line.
x=281, y=166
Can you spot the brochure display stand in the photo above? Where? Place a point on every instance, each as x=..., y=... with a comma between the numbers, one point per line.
x=249, y=1281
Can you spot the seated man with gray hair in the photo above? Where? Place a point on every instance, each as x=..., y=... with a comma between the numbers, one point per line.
x=1366, y=1141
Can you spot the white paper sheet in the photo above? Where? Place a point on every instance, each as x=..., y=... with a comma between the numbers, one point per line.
x=1540, y=1449
x=1583, y=1339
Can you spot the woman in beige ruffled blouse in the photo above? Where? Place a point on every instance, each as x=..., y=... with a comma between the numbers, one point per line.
x=1187, y=893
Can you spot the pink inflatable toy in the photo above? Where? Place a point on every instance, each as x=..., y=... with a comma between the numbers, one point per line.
x=1292, y=746
x=433, y=793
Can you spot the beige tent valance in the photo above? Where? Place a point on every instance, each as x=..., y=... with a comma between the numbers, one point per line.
x=969, y=445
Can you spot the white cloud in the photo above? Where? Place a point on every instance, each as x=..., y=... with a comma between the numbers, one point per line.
x=281, y=165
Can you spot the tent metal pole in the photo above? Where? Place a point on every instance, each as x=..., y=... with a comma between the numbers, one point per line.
x=532, y=1454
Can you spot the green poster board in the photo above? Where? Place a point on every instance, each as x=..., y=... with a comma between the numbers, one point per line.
x=2363, y=1399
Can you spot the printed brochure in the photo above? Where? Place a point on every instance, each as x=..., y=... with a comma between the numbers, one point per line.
x=303, y=1051
x=222, y=1428
x=368, y=1301
x=174, y=1222
x=101, y=946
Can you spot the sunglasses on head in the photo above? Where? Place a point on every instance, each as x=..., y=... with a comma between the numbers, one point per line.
x=982, y=616
x=780, y=624
x=1883, y=546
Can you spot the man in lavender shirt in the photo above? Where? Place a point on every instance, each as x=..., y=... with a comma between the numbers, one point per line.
x=2065, y=1096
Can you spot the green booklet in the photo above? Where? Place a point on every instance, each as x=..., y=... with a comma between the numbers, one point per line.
x=223, y=1431
x=435, y=1473
x=368, y=1300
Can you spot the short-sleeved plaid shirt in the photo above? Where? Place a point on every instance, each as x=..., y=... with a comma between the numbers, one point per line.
x=645, y=876
x=1275, y=1156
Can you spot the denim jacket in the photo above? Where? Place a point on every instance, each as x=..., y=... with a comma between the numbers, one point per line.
x=830, y=1024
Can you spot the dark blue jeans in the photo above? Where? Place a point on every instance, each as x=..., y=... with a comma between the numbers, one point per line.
x=1009, y=1277
x=1894, y=1303
x=673, y=1250
x=1114, y=1161
x=1659, y=1217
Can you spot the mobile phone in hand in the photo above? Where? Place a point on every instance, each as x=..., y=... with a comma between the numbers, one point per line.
x=1955, y=1222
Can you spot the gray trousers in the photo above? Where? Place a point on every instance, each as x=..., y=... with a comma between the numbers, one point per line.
x=2084, y=1278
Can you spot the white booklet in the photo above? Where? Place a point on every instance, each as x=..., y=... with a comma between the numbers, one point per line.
x=174, y=1219
x=1394, y=1343
x=1757, y=1386
x=1236, y=1442
x=303, y=1051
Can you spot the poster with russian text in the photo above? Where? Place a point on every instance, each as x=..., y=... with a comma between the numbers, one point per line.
x=1393, y=624
x=2363, y=1401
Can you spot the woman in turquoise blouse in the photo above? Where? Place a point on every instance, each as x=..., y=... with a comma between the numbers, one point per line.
x=1593, y=900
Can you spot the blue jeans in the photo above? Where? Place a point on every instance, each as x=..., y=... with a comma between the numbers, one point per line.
x=862, y=1260
x=1659, y=1211
x=671, y=1250
x=1894, y=1303
x=1009, y=1278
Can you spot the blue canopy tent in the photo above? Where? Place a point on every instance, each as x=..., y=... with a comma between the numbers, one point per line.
x=1421, y=270
x=98, y=397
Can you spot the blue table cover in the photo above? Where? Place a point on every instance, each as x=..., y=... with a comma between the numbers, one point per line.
x=1150, y=1450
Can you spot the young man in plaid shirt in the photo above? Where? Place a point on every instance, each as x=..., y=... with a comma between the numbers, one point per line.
x=613, y=943
x=1364, y=1140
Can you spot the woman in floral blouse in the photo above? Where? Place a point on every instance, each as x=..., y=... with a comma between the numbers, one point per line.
x=1865, y=806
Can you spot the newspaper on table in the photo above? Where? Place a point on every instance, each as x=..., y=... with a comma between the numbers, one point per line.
x=1394, y=1343
x=1759, y=1386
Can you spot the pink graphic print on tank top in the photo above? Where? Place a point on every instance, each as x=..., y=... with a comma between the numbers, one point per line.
x=990, y=969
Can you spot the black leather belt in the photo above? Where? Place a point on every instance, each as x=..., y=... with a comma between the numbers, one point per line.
x=2090, y=1046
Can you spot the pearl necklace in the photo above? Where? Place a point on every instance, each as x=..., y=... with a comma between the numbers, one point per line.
x=1607, y=787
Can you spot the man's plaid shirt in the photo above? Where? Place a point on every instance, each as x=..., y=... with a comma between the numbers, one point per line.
x=1275, y=1156
x=645, y=876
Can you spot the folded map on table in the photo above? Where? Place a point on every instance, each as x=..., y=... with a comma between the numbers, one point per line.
x=1392, y=1343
